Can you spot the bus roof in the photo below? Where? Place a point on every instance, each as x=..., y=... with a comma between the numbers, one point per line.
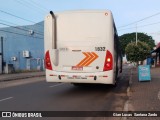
x=83, y=11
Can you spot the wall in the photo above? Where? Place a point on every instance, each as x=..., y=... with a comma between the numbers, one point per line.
x=16, y=40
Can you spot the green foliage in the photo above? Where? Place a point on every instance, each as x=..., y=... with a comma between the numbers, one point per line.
x=137, y=52
x=131, y=37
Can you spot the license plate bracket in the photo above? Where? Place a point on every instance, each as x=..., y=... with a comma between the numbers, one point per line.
x=78, y=68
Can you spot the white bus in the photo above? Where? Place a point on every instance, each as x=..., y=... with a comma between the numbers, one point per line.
x=82, y=47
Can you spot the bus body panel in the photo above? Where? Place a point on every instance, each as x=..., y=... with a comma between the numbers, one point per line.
x=82, y=39
x=106, y=77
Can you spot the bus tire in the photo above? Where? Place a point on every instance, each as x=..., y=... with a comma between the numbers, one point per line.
x=115, y=84
x=116, y=78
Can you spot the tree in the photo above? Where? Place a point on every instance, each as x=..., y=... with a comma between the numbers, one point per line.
x=131, y=37
x=137, y=52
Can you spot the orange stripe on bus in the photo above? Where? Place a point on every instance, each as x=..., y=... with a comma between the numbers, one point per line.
x=86, y=57
x=89, y=58
x=94, y=57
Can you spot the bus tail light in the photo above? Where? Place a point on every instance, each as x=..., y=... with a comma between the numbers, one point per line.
x=108, y=65
x=48, y=64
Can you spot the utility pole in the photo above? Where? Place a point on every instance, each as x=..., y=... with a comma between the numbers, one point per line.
x=136, y=34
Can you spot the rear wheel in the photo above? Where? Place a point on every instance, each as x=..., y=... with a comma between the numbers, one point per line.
x=116, y=77
x=115, y=84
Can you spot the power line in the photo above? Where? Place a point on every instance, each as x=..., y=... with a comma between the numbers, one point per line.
x=140, y=26
x=139, y=20
x=9, y=22
x=38, y=32
x=156, y=33
x=29, y=5
x=19, y=17
x=19, y=34
x=16, y=16
x=19, y=28
x=39, y=6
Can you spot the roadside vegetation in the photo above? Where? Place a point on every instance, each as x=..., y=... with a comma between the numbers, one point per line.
x=139, y=51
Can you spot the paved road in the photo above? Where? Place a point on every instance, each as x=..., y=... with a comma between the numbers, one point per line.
x=37, y=95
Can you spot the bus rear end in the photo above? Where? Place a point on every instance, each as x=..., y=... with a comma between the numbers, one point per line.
x=79, y=47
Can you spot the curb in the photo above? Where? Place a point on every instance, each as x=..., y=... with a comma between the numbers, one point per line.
x=18, y=78
x=127, y=105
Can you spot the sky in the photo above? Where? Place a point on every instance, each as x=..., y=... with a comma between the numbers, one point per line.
x=125, y=12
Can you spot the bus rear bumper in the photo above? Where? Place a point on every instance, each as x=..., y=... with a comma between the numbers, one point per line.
x=106, y=77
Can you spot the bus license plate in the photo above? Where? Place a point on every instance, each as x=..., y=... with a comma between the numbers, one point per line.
x=77, y=68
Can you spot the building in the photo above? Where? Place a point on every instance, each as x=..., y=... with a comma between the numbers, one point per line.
x=22, y=47
x=156, y=55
